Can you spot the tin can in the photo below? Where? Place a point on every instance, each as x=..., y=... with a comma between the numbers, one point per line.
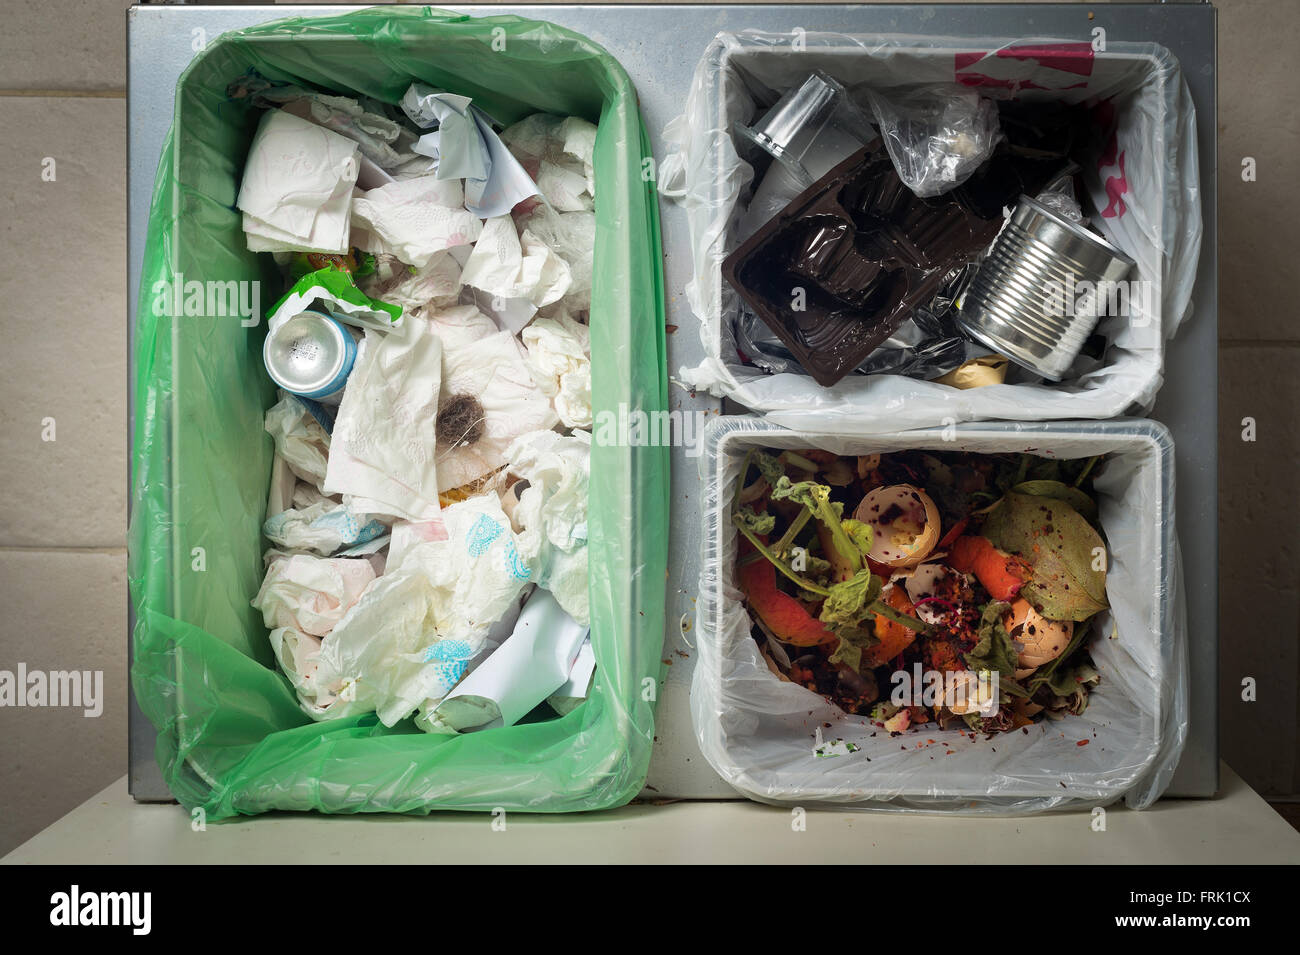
x=1041, y=290
x=310, y=354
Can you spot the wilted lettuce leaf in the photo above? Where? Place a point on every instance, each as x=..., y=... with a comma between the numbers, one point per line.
x=860, y=533
x=847, y=653
x=757, y=523
x=1070, y=679
x=994, y=651
x=850, y=601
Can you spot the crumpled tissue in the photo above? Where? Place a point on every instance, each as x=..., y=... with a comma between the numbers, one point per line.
x=311, y=594
x=506, y=264
x=381, y=450
x=324, y=526
x=528, y=667
x=561, y=150
x=436, y=283
x=414, y=219
x=489, y=397
x=297, y=654
x=571, y=236
x=384, y=143
x=465, y=146
x=552, y=513
x=299, y=438
x=559, y=356
x=413, y=632
x=296, y=192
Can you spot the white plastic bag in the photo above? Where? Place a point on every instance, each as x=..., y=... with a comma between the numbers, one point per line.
x=1145, y=182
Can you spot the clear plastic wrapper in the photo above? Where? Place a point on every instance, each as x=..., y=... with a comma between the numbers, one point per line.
x=768, y=738
x=936, y=137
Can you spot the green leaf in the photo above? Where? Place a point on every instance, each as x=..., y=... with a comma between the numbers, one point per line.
x=756, y=523
x=994, y=651
x=1071, y=679
x=1061, y=547
x=808, y=493
x=769, y=467
x=859, y=533
x=847, y=653
x=849, y=602
x=1061, y=491
x=817, y=499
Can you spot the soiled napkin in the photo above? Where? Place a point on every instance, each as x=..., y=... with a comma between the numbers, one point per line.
x=436, y=283
x=382, y=450
x=489, y=396
x=296, y=192
x=410, y=636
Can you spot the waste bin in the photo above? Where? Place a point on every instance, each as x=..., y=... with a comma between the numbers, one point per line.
x=759, y=732
x=231, y=738
x=1143, y=179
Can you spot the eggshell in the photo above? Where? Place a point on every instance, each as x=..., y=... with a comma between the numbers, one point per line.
x=1037, y=639
x=922, y=582
x=979, y=697
x=904, y=524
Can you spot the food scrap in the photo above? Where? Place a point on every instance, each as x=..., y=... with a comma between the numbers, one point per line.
x=925, y=588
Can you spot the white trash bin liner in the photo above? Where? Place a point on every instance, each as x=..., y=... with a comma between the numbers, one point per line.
x=1144, y=181
x=759, y=733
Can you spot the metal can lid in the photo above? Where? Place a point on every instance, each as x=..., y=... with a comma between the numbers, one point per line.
x=309, y=354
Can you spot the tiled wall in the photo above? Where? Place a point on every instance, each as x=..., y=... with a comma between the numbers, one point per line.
x=63, y=295
x=63, y=314
x=1259, y=378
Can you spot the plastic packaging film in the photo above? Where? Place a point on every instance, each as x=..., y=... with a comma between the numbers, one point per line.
x=1143, y=182
x=231, y=738
x=759, y=732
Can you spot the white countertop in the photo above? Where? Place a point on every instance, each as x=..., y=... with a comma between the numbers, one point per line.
x=1237, y=827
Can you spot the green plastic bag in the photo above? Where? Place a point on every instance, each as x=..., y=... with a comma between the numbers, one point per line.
x=231, y=737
